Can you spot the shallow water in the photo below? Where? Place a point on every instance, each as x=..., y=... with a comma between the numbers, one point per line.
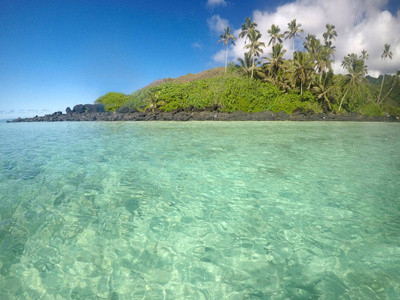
x=200, y=210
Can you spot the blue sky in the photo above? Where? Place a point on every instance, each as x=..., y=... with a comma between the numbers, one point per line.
x=58, y=53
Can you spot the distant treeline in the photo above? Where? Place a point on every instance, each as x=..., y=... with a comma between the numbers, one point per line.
x=273, y=83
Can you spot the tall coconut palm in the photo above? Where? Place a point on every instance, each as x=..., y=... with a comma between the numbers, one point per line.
x=275, y=35
x=354, y=79
x=227, y=38
x=247, y=26
x=395, y=82
x=326, y=87
x=364, y=55
x=385, y=55
x=254, y=47
x=276, y=60
x=246, y=64
x=312, y=45
x=294, y=30
x=330, y=33
x=323, y=60
x=302, y=68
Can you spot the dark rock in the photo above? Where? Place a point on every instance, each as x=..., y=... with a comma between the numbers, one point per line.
x=123, y=110
x=176, y=110
x=94, y=108
x=233, y=116
x=282, y=116
x=89, y=112
x=133, y=110
x=203, y=116
x=167, y=116
x=263, y=116
x=310, y=112
x=214, y=107
x=182, y=116
x=79, y=109
x=298, y=110
x=189, y=108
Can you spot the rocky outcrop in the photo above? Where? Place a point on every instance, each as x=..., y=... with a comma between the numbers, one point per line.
x=96, y=112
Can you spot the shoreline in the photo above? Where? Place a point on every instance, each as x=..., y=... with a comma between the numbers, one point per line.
x=206, y=114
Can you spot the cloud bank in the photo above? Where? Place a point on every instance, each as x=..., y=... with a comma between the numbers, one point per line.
x=360, y=24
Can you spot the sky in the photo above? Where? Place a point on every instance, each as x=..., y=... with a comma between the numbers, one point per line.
x=58, y=53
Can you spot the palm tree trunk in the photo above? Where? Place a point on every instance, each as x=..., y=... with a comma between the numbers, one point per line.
x=328, y=102
x=252, y=69
x=301, y=86
x=383, y=80
x=293, y=43
x=341, y=101
x=379, y=97
x=387, y=94
x=226, y=57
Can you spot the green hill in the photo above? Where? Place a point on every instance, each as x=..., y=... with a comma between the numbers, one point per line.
x=234, y=91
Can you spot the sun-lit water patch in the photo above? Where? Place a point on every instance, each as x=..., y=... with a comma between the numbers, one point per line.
x=199, y=211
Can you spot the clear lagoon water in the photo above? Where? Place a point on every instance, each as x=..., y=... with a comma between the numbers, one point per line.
x=200, y=210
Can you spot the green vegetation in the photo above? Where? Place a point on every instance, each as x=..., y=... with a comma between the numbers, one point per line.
x=273, y=83
x=112, y=100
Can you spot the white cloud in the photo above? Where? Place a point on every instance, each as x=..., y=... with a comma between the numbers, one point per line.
x=196, y=45
x=219, y=57
x=217, y=24
x=213, y=3
x=360, y=24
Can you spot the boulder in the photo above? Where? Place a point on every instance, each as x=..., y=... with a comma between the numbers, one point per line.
x=189, y=108
x=214, y=107
x=133, y=110
x=282, y=116
x=123, y=110
x=94, y=108
x=68, y=111
x=176, y=110
x=79, y=109
x=298, y=110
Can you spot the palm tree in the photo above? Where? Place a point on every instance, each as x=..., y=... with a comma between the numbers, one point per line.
x=303, y=66
x=312, y=45
x=330, y=33
x=227, y=37
x=353, y=81
x=275, y=35
x=247, y=26
x=246, y=64
x=254, y=47
x=276, y=61
x=326, y=87
x=364, y=55
x=294, y=30
x=323, y=59
x=385, y=55
x=395, y=82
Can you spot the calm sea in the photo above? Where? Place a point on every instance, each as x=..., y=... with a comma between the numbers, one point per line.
x=200, y=210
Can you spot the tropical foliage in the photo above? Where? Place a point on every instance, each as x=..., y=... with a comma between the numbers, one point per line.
x=273, y=82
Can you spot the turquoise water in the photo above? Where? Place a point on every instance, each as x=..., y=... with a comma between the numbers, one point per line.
x=200, y=210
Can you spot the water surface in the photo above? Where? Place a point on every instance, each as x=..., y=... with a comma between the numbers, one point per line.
x=200, y=210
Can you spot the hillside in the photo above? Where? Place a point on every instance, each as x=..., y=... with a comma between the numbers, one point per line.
x=235, y=91
x=215, y=72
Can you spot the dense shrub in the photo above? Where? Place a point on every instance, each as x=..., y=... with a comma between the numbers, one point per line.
x=290, y=101
x=371, y=109
x=112, y=100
